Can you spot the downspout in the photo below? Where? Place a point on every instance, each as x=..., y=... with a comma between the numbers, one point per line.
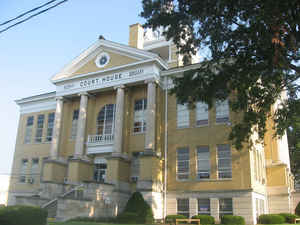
x=166, y=147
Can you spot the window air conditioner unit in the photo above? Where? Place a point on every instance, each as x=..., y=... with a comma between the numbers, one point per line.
x=30, y=180
x=134, y=179
x=65, y=180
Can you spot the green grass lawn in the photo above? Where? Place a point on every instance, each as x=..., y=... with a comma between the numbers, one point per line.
x=93, y=223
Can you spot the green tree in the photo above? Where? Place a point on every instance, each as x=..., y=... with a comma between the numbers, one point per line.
x=293, y=134
x=252, y=49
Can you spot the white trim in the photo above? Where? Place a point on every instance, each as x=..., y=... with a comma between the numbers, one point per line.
x=34, y=98
x=38, y=106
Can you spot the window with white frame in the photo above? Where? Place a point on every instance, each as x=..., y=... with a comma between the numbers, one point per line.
x=225, y=206
x=140, y=110
x=222, y=111
x=201, y=114
x=100, y=170
x=39, y=128
x=183, y=207
x=224, y=161
x=183, y=115
x=50, y=126
x=105, y=120
x=34, y=168
x=204, y=206
x=28, y=130
x=203, y=162
x=183, y=164
x=135, y=166
x=74, y=123
x=23, y=170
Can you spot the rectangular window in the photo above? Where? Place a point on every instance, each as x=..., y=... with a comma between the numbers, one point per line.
x=204, y=206
x=222, y=111
x=23, y=170
x=51, y=117
x=203, y=162
x=183, y=164
x=135, y=166
x=183, y=207
x=28, y=131
x=34, y=169
x=74, y=123
x=100, y=172
x=201, y=114
x=140, y=109
x=224, y=161
x=183, y=115
x=225, y=206
x=39, y=128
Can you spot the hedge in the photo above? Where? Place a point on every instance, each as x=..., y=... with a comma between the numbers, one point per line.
x=23, y=215
x=229, y=219
x=271, y=219
x=205, y=219
x=288, y=217
x=128, y=218
x=172, y=218
x=297, y=210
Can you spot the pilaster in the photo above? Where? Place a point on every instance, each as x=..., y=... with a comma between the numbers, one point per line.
x=119, y=118
x=150, y=116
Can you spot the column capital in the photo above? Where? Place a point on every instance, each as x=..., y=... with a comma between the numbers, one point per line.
x=83, y=93
x=151, y=80
x=122, y=86
x=59, y=98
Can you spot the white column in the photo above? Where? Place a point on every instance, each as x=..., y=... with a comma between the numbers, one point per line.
x=119, y=118
x=57, y=128
x=80, y=133
x=150, y=116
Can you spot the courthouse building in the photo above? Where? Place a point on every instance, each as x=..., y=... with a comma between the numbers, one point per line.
x=111, y=128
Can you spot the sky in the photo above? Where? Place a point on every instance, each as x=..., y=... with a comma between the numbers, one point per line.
x=32, y=52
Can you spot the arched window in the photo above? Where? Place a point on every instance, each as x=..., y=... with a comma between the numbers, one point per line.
x=106, y=119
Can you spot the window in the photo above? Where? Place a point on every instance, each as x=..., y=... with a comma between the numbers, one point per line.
x=203, y=162
x=34, y=168
x=222, y=111
x=201, y=114
x=183, y=163
x=28, y=131
x=183, y=115
x=183, y=207
x=51, y=117
x=224, y=161
x=100, y=170
x=140, y=109
x=39, y=128
x=23, y=170
x=105, y=120
x=225, y=206
x=74, y=123
x=204, y=206
x=135, y=166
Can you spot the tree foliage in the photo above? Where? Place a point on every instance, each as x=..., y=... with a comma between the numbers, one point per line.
x=293, y=134
x=252, y=52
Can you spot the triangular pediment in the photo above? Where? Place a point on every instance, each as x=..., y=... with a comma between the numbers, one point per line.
x=104, y=55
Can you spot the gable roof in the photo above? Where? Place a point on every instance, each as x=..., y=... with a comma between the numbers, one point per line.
x=139, y=54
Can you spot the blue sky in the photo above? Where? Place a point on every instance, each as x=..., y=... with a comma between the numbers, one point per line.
x=32, y=52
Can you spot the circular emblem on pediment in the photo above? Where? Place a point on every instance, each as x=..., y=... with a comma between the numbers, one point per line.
x=102, y=60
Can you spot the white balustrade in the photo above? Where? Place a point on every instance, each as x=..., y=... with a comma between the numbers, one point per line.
x=101, y=139
x=100, y=143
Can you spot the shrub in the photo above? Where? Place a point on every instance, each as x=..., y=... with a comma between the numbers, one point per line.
x=23, y=215
x=297, y=210
x=172, y=218
x=288, y=217
x=205, y=219
x=137, y=205
x=270, y=219
x=229, y=219
x=128, y=217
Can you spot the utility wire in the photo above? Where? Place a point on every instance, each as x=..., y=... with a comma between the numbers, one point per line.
x=34, y=15
x=25, y=13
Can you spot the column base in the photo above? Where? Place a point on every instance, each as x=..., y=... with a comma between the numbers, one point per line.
x=118, y=171
x=79, y=170
x=54, y=171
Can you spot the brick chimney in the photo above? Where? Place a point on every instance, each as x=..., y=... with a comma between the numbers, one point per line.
x=136, y=36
